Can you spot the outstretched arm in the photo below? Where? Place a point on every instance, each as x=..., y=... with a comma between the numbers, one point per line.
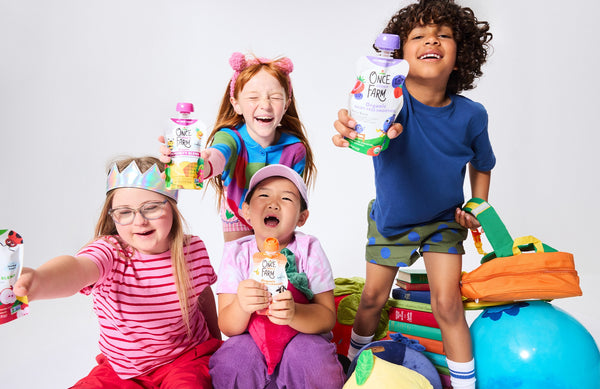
x=59, y=277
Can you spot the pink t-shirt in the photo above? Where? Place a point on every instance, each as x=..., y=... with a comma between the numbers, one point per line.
x=310, y=259
x=136, y=302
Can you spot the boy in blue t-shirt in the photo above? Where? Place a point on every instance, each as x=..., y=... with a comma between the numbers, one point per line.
x=419, y=177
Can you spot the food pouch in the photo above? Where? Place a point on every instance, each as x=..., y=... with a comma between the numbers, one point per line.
x=268, y=268
x=184, y=140
x=11, y=263
x=376, y=98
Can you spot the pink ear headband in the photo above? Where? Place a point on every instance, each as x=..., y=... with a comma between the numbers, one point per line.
x=239, y=62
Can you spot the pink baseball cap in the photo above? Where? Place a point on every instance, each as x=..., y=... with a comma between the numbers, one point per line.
x=278, y=170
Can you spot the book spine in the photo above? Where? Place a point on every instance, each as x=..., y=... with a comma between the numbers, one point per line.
x=415, y=278
x=415, y=329
x=410, y=286
x=414, y=317
x=422, y=296
x=417, y=306
x=442, y=369
x=431, y=345
x=436, y=359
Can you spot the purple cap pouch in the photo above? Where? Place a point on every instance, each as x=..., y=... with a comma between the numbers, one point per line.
x=387, y=42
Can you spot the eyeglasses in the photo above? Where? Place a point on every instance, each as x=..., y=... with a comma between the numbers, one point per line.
x=149, y=211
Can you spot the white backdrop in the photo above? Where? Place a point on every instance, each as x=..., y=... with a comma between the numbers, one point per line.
x=82, y=82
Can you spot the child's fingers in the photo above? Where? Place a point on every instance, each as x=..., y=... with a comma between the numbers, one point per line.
x=253, y=295
x=282, y=311
x=466, y=219
x=283, y=296
x=339, y=141
x=395, y=130
x=165, y=153
x=345, y=119
x=205, y=153
x=161, y=139
x=23, y=284
x=344, y=126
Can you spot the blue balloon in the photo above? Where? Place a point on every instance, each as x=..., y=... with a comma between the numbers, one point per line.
x=533, y=345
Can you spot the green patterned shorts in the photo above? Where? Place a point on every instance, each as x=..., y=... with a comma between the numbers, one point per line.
x=405, y=248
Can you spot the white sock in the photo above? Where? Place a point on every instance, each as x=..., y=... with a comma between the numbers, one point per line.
x=462, y=374
x=356, y=343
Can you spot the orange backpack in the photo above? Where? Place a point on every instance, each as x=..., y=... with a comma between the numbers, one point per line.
x=511, y=273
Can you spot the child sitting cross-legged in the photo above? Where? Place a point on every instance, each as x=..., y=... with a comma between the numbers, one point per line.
x=288, y=347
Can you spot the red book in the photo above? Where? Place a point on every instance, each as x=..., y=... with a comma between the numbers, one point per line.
x=411, y=286
x=414, y=317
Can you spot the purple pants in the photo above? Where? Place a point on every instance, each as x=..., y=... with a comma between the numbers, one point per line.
x=309, y=361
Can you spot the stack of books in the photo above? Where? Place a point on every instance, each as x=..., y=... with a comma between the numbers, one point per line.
x=411, y=315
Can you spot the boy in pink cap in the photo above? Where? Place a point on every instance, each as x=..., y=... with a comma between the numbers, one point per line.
x=299, y=320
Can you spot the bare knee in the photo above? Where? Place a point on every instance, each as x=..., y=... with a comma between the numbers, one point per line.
x=447, y=311
x=372, y=299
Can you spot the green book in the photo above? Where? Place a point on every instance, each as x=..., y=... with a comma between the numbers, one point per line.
x=408, y=304
x=413, y=276
x=442, y=369
x=436, y=359
x=415, y=329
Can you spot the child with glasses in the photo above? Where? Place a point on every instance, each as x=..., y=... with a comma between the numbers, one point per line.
x=151, y=286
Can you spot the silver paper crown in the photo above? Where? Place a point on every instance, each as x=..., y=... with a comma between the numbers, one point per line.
x=132, y=177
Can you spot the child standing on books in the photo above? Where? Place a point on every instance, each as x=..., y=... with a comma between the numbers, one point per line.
x=276, y=204
x=257, y=125
x=150, y=284
x=419, y=178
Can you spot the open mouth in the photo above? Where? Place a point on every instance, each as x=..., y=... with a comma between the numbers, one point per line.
x=264, y=119
x=146, y=233
x=271, y=221
x=430, y=56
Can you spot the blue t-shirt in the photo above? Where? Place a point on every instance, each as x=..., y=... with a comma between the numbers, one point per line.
x=419, y=178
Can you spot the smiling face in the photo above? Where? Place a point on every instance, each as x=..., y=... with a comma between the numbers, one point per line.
x=262, y=102
x=146, y=236
x=431, y=53
x=274, y=210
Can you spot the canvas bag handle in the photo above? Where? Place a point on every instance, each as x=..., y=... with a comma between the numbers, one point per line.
x=497, y=234
x=495, y=230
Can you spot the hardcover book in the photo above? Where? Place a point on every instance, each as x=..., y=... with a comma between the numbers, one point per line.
x=415, y=329
x=407, y=304
x=432, y=345
x=414, y=317
x=415, y=276
x=422, y=296
x=411, y=286
x=436, y=359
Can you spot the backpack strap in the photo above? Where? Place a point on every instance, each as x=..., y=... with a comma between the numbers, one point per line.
x=494, y=228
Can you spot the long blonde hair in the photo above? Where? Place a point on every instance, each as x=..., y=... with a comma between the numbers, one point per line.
x=290, y=123
x=179, y=241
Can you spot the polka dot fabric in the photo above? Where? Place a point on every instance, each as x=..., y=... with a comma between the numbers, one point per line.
x=404, y=249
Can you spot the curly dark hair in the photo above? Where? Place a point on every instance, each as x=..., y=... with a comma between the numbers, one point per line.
x=471, y=36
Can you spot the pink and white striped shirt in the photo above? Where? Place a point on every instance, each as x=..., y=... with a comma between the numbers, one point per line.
x=141, y=326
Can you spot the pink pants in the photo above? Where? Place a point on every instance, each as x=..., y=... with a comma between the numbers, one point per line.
x=189, y=370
